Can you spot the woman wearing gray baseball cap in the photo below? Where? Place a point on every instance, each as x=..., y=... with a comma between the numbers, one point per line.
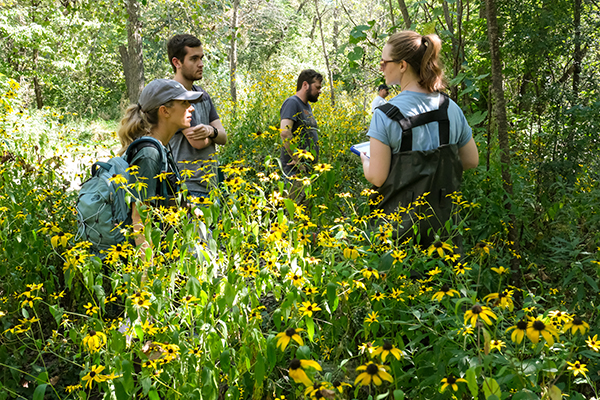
x=164, y=108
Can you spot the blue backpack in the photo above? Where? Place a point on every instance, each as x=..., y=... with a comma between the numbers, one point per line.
x=102, y=210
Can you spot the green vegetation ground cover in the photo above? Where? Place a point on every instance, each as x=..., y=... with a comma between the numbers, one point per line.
x=285, y=301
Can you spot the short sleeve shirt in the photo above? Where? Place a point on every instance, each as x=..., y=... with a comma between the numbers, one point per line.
x=304, y=130
x=377, y=101
x=202, y=161
x=425, y=137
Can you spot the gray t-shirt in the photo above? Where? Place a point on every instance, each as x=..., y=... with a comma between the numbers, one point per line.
x=425, y=137
x=202, y=161
x=304, y=131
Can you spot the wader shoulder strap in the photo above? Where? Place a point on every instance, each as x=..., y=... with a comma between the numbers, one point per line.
x=407, y=123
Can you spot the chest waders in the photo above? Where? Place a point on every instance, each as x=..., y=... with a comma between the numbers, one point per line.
x=437, y=172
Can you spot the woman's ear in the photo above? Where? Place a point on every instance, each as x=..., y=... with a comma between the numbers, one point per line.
x=163, y=111
x=403, y=66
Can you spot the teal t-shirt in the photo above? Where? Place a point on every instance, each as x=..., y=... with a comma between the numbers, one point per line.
x=148, y=161
x=425, y=137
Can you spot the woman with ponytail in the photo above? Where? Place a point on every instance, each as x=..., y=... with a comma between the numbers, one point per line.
x=164, y=108
x=412, y=61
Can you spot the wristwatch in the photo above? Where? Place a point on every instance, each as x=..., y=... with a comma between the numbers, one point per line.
x=215, y=133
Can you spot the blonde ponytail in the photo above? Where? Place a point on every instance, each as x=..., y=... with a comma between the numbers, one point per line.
x=135, y=124
x=422, y=54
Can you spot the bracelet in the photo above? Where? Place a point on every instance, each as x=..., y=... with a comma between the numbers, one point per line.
x=215, y=133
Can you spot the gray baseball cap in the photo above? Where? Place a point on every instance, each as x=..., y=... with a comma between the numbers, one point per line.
x=161, y=91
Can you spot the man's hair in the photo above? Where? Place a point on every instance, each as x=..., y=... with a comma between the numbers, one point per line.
x=383, y=86
x=176, y=47
x=310, y=76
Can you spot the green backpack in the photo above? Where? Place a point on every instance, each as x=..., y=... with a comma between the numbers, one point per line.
x=102, y=211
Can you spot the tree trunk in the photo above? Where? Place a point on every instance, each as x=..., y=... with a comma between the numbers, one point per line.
x=392, y=16
x=405, y=14
x=36, y=83
x=132, y=57
x=233, y=53
x=325, y=54
x=502, y=126
x=577, y=54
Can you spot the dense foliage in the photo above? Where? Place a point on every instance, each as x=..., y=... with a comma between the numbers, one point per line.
x=255, y=296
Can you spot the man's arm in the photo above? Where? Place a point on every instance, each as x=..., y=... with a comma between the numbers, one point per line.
x=286, y=136
x=199, y=136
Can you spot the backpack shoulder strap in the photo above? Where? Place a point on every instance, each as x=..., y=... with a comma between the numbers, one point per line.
x=147, y=141
x=394, y=113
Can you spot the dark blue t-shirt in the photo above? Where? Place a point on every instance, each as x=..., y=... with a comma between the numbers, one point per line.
x=304, y=131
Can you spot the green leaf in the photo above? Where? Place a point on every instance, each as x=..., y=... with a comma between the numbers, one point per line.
x=310, y=328
x=153, y=395
x=591, y=282
x=382, y=395
x=491, y=388
x=554, y=393
x=358, y=34
x=42, y=378
x=259, y=369
x=477, y=118
x=225, y=360
x=39, y=392
x=289, y=204
x=525, y=394
x=229, y=294
x=472, y=382
x=398, y=394
x=356, y=53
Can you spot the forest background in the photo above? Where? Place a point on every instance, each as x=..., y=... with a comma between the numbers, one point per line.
x=524, y=73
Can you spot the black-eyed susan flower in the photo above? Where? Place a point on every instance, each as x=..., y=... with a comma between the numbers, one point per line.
x=72, y=388
x=322, y=167
x=308, y=308
x=170, y=352
x=310, y=290
x=296, y=279
x=445, y=290
x=576, y=324
x=438, y=247
x=372, y=317
x=94, y=340
x=339, y=386
x=378, y=296
x=351, y=252
x=559, y=316
x=283, y=338
x=452, y=382
x=500, y=270
x=370, y=272
x=593, y=343
x=297, y=368
x=385, y=349
x=482, y=248
x=94, y=376
x=61, y=238
x=497, y=345
x=374, y=373
x=577, y=368
x=461, y=269
x=537, y=327
x=502, y=299
x=398, y=255
x=519, y=331
x=476, y=312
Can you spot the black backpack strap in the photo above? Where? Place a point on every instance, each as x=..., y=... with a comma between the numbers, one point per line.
x=407, y=123
x=394, y=113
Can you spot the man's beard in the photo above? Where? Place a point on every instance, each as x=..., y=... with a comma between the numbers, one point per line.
x=192, y=77
x=313, y=98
